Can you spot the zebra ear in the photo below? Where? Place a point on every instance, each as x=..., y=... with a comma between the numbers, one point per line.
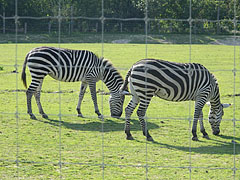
x=226, y=105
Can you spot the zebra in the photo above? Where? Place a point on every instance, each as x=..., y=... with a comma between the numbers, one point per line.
x=71, y=66
x=173, y=82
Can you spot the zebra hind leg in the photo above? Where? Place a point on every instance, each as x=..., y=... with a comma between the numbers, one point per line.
x=141, y=114
x=37, y=97
x=128, y=112
x=29, y=95
x=81, y=95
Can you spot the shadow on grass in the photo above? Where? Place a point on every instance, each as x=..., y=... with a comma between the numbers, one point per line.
x=224, y=146
x=107, y=125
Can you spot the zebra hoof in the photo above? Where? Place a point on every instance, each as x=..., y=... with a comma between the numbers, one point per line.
x=195, y=138
x=206, y=136
x=45, y=116
x=150, y=138
x=32, y=116
x=80, y=115
x=100, y=116
x=130, y=138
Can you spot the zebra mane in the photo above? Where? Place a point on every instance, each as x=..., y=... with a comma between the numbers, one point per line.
x=108, y=64
x=214, y=78
x=110, y=75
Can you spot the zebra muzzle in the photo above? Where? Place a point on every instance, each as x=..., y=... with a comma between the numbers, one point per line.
x=216, y=132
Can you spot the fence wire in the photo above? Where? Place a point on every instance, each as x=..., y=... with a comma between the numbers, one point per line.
x=103, y=164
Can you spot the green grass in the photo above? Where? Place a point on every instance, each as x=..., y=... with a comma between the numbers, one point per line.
x=84, y=144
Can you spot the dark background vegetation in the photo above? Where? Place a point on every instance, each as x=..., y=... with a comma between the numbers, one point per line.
x=121, y=16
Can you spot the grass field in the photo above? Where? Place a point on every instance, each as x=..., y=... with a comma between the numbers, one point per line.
x=69, y=147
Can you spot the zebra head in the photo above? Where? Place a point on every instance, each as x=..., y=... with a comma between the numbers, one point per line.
x=215, y=117
x=116, y=104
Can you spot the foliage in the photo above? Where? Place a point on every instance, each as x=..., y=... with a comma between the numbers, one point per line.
x=159, y=10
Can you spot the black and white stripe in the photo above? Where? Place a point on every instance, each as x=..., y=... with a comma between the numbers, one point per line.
x=173, y=82
x=70, y=66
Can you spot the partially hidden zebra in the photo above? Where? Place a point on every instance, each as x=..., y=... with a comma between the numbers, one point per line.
x=173, y=82
x=71, y=66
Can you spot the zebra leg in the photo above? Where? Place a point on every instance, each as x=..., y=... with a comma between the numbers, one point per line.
x=194, y=130
x=37, y=95
x=200, y=102
x=92, y=86
x=81, y=95
x=128, y=112
x=202, y=129
x=194, y=126
x=29, y=95
x=141, y=114
x=35, y=85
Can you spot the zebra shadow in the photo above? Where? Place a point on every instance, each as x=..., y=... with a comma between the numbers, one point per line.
x=107, y=125
x=227, y=145
x=224, y=145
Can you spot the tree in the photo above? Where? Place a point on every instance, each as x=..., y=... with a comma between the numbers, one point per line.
x=173, y=10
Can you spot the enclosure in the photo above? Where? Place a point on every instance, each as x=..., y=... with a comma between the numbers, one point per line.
x=69, y=147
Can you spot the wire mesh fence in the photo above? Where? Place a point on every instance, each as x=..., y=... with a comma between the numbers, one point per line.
x=66, y=147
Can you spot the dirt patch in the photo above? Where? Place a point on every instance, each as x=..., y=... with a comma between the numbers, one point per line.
x=228, y=41
x=121, y=41
x=161, y=39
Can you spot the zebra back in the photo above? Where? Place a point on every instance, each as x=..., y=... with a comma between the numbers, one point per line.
x=62, y=64
x=171, y=81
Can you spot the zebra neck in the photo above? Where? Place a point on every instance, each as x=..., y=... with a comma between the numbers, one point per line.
x=215, y=101
x=215, y=104
x=111, y=77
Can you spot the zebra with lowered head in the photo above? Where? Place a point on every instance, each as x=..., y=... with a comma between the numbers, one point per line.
x=173, y=82
x=70, y=66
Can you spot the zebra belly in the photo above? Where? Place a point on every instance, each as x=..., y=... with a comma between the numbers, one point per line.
x=163, y=94
x=57, y=77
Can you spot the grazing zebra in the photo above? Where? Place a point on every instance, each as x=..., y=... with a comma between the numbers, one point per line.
x=173, y=82
x=70, y=66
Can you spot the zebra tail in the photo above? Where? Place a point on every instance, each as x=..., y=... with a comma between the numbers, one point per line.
x=125, y=84
x=24, y=73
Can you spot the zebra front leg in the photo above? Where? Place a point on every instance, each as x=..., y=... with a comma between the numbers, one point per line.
x=194, y=130
x=37, y=95
x=92, y=86
x=141, y=114
x=200, y=102
x=128, y=112
x=81, y=95
x=29, y=95
x=202, y=129
x=195, y=121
